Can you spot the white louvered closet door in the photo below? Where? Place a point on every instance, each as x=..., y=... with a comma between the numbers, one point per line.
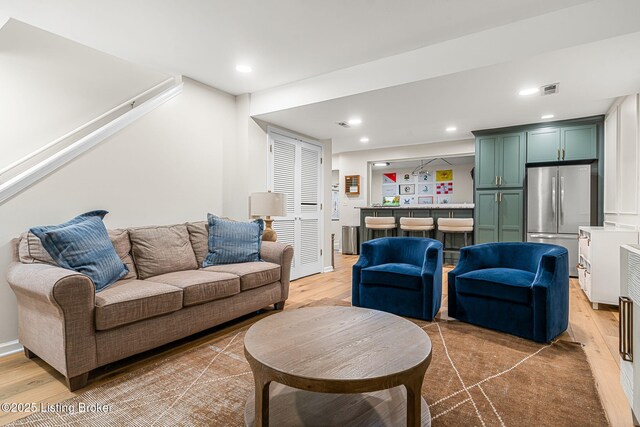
x=296, y=171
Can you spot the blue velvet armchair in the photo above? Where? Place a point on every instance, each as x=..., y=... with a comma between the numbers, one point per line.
x=400, y=275
x=517, y=288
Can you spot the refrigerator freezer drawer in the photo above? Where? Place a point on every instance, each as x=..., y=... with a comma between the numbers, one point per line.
x=569, y=241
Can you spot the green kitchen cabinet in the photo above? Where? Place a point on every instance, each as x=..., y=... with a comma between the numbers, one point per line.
x=486, y=221
x=500, y=160
x=579, y=142
x=511, y=215
x=555, y=144
x=543, y=145
x=499, y=216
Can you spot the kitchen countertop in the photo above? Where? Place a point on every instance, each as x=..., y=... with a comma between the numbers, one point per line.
x=433, y=206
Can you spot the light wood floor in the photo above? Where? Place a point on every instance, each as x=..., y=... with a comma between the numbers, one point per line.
x=25, y=381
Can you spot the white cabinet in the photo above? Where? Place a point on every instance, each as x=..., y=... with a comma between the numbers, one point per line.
x=599, y=264
x=629, y=344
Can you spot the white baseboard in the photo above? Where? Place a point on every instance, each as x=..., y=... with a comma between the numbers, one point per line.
x=10, y=347
x=328, y=269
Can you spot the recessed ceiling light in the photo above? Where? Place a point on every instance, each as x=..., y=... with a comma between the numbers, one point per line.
x=529, y=91
x=381, y=164
x=451, y=129
x=364, y=139
x=243, y=68
x=547, y=116
x=354, y=122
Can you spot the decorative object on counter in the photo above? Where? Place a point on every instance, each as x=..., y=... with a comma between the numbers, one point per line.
x=352, y=185
x=391, y=201
x=425, y=200
x=408, y=189
x=268, y=204
x=386, y=223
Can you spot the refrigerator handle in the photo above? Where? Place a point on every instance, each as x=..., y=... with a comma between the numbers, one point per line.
x=553, y=195
x=562, y=200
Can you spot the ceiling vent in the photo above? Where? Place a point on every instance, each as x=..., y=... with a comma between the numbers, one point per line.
x=549, y=89
x=344, y=124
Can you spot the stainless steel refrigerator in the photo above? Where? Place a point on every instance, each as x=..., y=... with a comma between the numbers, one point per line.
x=559, y=200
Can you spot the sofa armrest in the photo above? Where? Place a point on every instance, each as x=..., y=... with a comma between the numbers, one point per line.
x=56, y=315
x=281, y=254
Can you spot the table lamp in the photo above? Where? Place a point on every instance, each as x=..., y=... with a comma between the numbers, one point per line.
x=268, y=204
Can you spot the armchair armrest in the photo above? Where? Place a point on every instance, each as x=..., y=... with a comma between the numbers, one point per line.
x=56, y=315
x=281, y=254
x=432, y=279
x=471, y=258
x=551, y=296
x=371, y=253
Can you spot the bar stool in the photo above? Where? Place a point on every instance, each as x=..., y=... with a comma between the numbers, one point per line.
x=453, y=226
x=373, y=223
x=407, y=225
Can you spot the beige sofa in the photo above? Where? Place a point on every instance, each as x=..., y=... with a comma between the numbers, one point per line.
x=165, y=296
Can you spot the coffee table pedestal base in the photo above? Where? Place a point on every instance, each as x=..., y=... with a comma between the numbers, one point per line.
x=293, y=407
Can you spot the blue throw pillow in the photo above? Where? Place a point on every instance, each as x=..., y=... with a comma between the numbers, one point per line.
x=83, y=245
x=232, y=241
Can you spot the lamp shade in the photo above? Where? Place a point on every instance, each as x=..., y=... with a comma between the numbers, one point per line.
x=268, y=204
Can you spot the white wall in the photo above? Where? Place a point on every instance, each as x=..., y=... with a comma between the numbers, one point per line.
x=355, y=163
x=50, y=85
x=622, y=162
x=165, y=168
x=462, y=182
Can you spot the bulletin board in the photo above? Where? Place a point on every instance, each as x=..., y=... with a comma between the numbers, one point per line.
x=425, y=188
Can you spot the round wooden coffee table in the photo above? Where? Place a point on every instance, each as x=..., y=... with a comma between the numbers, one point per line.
x=340, y=364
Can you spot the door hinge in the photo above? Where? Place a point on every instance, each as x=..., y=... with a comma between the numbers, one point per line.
x=320, y=206
x=320, y=160
x=271, y=148
x=320, y=251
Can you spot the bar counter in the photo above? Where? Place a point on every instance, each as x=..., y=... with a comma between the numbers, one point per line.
x=435, y=211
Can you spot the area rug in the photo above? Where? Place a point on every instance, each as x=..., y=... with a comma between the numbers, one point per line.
x=477, y=377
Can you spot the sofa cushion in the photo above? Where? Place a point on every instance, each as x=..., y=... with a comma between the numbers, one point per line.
x=397, y=275
x=200, y=286
x=252, y=274
x=122, y=245
x=82, y=244
x=30, y=250
x=129, y=301
x=505, y=284
x=160, y=250
x=199, y=237
x=232, y=242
